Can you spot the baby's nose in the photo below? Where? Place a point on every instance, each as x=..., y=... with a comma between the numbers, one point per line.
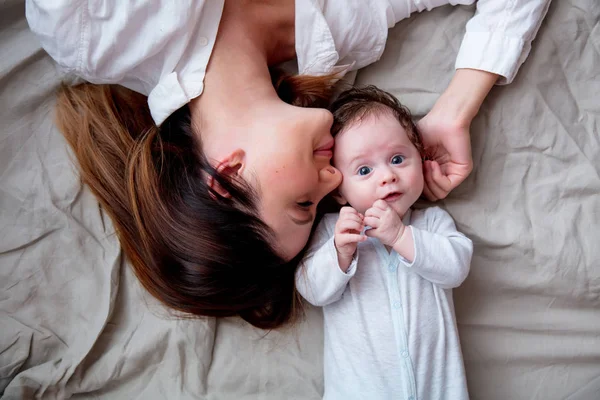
x=388, y=178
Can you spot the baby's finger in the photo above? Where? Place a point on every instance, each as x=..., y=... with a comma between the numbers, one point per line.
x=371, y=232
x=372, y=222
x=374, y=212
x=351, y=228
x=351, y=217
x=354, y=238
x=346, y=210
x=381, y=205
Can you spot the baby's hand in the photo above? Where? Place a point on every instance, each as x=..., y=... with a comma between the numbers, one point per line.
x=347, y=235
x=386, y=224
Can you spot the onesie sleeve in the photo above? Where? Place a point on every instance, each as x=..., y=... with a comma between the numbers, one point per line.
x=442, y=254
x=319, y=278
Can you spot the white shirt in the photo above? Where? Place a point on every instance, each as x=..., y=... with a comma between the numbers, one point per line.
x=390, y=330
x=161, y=48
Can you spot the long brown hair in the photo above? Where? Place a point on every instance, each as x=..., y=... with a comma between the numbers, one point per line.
x=195, y=251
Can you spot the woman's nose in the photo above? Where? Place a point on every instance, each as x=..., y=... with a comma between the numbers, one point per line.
x=322, y=118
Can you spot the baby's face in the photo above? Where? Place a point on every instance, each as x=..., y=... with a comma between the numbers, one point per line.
x=378, y=161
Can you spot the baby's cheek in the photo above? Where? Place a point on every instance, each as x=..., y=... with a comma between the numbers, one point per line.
x=418, y=180
x=359, y=198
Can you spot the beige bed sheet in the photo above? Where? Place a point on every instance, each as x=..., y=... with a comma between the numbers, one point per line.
x=75, y=322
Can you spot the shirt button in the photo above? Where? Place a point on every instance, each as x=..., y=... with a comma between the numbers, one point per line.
x=404, y=353
x=202, y=41
x=411, y=398
x=397, y=305
x=392, y=268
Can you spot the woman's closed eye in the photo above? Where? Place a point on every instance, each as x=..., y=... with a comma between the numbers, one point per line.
x=305, y=204
x=303, y=215
x=397, y=159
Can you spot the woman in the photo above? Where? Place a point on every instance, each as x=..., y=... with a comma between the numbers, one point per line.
x=212, y=181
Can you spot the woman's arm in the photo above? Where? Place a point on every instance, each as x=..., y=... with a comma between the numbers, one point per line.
x=496, y=43
x=445, y=131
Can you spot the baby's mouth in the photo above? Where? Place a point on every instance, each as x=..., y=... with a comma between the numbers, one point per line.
x=392, y=197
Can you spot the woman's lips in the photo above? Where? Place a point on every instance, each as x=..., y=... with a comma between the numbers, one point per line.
x=326, y=150
x=392, y=196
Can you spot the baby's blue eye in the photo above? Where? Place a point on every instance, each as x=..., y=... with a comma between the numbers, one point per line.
x=398, y=159
x=364, y=170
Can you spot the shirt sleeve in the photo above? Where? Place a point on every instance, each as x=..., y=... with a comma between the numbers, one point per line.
x=498, y=38
x=159, y=48
x=319, y=278
x=442, y=254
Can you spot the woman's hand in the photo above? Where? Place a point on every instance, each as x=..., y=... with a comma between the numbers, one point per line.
x=445, y=131
x=449, y=147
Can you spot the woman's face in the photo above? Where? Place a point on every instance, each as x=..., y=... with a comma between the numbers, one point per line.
x=288, y=162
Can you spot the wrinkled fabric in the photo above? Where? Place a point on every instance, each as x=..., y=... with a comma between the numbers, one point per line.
x=75, y=322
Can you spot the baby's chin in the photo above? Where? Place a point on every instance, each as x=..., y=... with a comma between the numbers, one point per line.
x=360, y=208
x=399, y=208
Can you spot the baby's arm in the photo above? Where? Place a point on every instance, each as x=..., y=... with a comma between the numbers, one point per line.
x=442, y=255
x=320, y=278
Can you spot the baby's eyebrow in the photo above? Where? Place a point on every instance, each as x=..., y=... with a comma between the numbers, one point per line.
x=356, y=158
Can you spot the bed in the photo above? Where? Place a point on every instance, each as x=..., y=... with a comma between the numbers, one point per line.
x=74, y=321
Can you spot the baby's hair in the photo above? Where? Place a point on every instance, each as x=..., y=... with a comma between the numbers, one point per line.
x=355, y=104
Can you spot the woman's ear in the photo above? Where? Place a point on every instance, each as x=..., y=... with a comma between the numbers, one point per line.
x=229, y=167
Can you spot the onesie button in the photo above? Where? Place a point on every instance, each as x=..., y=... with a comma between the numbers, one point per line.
x=397, y=305
x=202, y=41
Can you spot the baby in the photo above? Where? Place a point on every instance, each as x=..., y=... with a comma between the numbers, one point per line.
x=382, y=271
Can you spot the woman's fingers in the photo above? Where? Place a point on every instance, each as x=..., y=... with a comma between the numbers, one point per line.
x=427, y=193
x=437, y=184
